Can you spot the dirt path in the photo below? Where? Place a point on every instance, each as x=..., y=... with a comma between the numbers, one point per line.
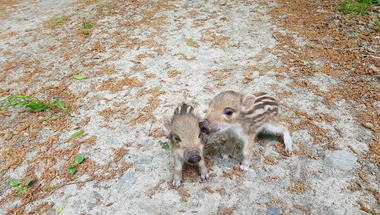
x=142, y=59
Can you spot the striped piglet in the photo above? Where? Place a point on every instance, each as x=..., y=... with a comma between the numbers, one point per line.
x=242, y=117
x=186, y=141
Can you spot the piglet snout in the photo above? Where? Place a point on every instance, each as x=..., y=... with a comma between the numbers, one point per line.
x=204, y=126
x=194, y=159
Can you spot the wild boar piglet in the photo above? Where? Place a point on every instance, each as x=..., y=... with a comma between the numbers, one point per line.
x=242, y=117
x=186, y=142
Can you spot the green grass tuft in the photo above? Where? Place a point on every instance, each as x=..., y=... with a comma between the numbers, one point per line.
x=87, y=25
x=165, y=145
x=60, y=20
x=103, y=5
x=85, y=32
x=358, y=7
x=20, y=188
x=77, y=133
x=34, y=105
x=369, y=1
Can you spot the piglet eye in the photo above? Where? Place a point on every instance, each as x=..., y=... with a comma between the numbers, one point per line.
x=177, y=139
x=228, y=111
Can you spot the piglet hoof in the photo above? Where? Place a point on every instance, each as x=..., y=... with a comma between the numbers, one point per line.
x=224, y=157
x=290, y=152
x=244, y=168
x=176, y=184
x=175, y=187
x=204, y=178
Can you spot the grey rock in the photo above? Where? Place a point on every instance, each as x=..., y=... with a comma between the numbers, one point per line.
x=318, y=177
x=286, y=183
x=140, y=169
x=96, y=195
x=326, y=39
x=273, y=211
x=91, y=205
x=340, y=159
x=143, y=160
x=201, y=194
x=262, y=173
x=126, y=182
x=153, y=82
x=112, y=141
x=332, y=211
x=146, y=207
x=134, y=102
x=227, y=163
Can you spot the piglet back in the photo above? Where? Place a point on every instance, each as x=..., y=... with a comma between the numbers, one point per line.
x=184, y=109
x=263, y=106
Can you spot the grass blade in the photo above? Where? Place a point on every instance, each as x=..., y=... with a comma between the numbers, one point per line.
x=34, y=105
x=72, y=171
x=79, y=159
x=20, y=97
x=165, y=145
x=60, y=209
x=15, y=182
x=45, y=119
x=57, y=102
x=79, y=77
x=77, y=133
x=27, y=181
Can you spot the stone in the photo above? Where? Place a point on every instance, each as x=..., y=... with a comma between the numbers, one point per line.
x=318, y=177
x=231, y=162
x=143, y=160
x=126, y=182
x=112, y=141
x=146, y=207
x=96, y=195
x=153, y=82
x=273, y=211
x=201, y=195
x=140, y=169
x=332, y=210
x=91, y=205
x=285, y=183
x=340, y=159
x=262, y=173
x=134, y=102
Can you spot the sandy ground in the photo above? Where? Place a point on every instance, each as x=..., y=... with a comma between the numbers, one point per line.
x=141, y=60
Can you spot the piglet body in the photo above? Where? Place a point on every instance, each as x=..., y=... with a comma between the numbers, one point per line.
x=186, y=141
x=242, y=117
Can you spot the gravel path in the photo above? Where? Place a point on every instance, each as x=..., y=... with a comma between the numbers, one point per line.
x=141, y=60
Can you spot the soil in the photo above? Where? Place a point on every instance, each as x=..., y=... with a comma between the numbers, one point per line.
x=142, y=59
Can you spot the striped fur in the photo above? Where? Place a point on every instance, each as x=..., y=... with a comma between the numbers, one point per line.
x=242, y=117
x=263, y=106
x=184, y=109
x=186, y=141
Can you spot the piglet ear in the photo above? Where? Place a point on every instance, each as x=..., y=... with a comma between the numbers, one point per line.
x=247, y=103
x=167, y=123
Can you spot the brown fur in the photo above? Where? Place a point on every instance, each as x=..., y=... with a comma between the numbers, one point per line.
x=186, y=141
x=250, y=115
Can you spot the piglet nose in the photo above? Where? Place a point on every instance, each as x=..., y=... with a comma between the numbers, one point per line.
x=204, y=126
x=194, y=159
